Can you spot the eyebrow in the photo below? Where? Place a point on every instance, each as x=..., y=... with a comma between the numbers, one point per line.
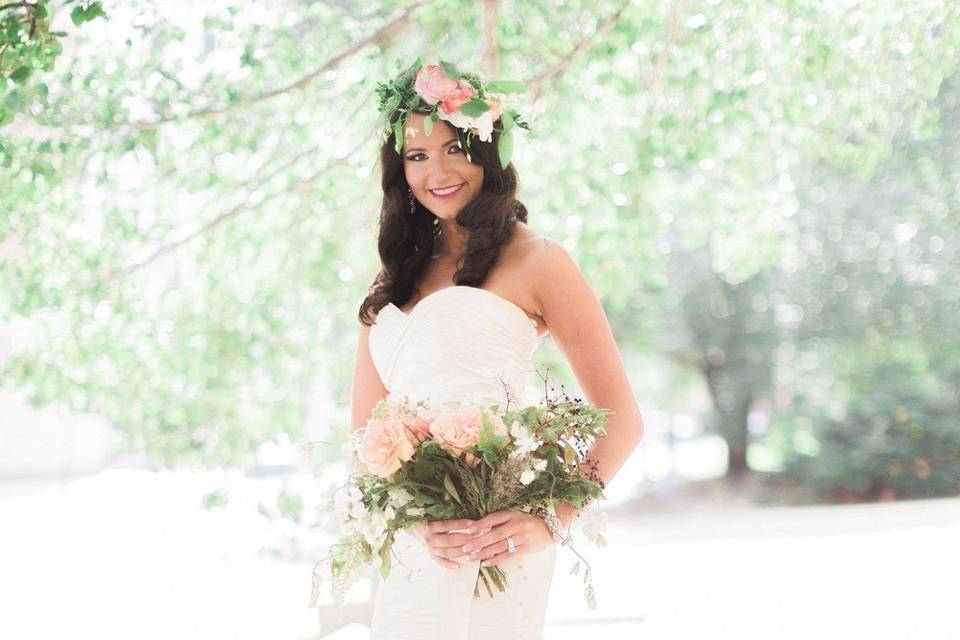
x=443, y=145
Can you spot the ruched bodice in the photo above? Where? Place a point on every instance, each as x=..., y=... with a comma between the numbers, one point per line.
x=458, y=343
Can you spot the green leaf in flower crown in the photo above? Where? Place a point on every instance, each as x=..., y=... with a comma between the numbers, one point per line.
x=505, y=86
x=474, y=108
x=398, y=133
x=505, y=148
x=427, y=126
x=507, y=119
x=450, y=70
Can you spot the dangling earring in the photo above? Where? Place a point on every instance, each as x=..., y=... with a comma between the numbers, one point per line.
x=413, y=204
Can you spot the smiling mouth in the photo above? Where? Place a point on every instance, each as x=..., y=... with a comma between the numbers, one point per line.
x=446, y=191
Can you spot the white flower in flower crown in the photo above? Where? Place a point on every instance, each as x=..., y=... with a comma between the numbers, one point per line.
x=483, y=124
x=540, y=464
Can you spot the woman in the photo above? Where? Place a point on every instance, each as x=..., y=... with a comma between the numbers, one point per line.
x=465, y=292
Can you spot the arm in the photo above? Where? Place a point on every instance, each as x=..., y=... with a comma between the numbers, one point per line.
x=580, y=328
x=367, y=389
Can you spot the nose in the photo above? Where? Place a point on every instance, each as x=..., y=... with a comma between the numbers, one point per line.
x=440, y=169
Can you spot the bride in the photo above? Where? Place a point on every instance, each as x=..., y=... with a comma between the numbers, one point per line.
x=465, y=293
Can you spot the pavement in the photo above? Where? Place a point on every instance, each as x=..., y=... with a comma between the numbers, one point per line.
x=131, y=554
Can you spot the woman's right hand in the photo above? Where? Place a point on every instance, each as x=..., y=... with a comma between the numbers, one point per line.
x=444, y=540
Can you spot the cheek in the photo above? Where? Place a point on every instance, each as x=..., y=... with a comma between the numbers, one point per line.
x=412, y=175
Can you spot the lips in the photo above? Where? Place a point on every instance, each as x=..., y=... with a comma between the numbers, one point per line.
x=446, y=192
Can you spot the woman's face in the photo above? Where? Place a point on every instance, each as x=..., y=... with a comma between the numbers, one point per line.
x=436, y=162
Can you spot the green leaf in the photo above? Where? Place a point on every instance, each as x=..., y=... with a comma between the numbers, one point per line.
x=451, y=488
x=474, y=108
x=569, y=456
x=505, y=148
x=505, y=86
x=385, y=560
x=450, y=70
x=95, y=10
x=507, y=119
x=78, y=15
x=20, y=74
x=398, y=133
x=427, y=126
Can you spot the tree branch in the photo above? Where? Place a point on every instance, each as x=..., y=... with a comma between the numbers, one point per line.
x=491, y=56
x=234, y=210
x=382, y=36
x=14, y=5
x=673, y=33
x=535, y=85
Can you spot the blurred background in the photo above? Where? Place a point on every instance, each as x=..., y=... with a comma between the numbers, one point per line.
x=763, y=195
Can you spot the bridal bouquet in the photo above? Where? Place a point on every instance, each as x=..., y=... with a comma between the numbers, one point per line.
x=469, y=461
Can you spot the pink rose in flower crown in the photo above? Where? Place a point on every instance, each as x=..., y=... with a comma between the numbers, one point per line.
x=460, y=428
x=465, y=92
x=432, y=85
x=384, y=447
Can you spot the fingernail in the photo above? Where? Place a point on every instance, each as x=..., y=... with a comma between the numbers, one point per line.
x=470, y=529
x=485, y=563
x=485, y=531
x=466, y=547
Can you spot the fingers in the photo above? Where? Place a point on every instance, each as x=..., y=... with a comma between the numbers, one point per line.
x=494, y=535
x=443, y=526
x=498, y=547
x=491, y=521
x=497, y=559
x=444, y=562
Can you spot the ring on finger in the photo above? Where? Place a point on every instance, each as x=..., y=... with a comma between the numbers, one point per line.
x=511, y=545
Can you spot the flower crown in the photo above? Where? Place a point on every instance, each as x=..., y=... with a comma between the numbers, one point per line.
x=444, y=93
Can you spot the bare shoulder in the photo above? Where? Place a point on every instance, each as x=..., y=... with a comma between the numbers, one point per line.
x=547, y=271
x=546, y=262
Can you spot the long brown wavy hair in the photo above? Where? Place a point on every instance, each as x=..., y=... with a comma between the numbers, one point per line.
x=407, y=240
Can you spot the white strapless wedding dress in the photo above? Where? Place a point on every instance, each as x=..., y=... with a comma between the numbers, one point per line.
x=457, y=344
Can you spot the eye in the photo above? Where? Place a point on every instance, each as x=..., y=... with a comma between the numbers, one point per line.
x=456, y=148
x=414, y=156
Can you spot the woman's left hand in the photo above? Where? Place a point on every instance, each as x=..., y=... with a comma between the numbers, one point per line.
x=489, y=536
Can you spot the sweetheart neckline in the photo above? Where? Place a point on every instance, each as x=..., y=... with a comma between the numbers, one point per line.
x=497, y=296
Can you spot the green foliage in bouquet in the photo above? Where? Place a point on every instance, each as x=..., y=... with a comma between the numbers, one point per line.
x=538, y=461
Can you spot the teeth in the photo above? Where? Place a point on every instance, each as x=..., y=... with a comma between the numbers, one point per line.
x=443, y=192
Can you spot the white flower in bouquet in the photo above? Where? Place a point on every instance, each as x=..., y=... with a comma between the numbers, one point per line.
x=527, y=476
x=523, y=441
x=399, y=497
x=594, y=525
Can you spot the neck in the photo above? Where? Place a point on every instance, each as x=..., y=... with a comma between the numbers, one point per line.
x=453, y=239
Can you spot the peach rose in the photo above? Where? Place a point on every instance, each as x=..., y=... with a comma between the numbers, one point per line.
x=384, y=447
x=465, y=92
x=460, y=429
x=419, y=420
x=432, y=85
